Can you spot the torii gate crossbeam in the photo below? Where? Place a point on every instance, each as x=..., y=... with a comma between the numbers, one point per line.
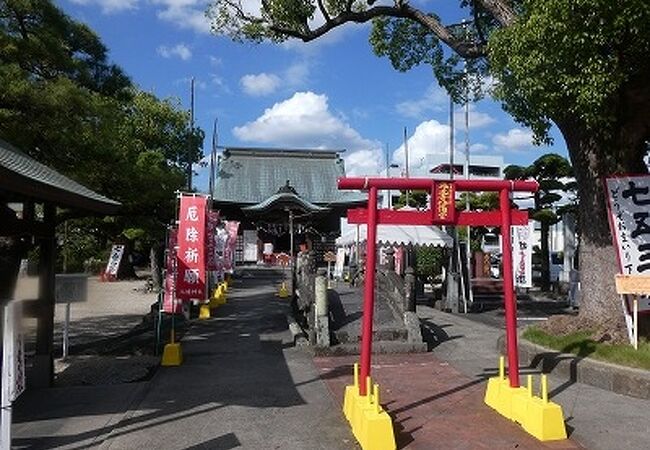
x=441, y=212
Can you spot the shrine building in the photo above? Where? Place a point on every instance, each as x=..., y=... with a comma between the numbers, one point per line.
x=273, y=192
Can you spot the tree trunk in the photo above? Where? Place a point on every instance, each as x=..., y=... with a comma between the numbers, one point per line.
x=594, y=159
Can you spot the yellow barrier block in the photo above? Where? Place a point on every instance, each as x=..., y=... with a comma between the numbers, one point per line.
x=204, y=311
x=222, y=294
x=371, y=425
x=283, y=292
x=537, y=416
x=172, y=355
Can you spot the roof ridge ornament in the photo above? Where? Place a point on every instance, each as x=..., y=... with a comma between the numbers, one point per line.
x=287, y=189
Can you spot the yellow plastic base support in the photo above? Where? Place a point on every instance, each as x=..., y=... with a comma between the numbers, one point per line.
x=172, y=355
x=371, y=425
x=283, y=292
x=204, y=311
x=536, y=415
x=218, y=297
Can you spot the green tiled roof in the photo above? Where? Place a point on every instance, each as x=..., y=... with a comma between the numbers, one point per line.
x=23, y=175
x=284, y=199
x=250, y=176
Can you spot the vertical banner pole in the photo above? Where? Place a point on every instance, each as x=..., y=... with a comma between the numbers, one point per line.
x=636, y=322
x=509, y=289
x=368, y=292
x=66, y=330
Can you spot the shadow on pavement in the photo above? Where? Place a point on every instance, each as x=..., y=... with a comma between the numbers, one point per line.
x=235, y=358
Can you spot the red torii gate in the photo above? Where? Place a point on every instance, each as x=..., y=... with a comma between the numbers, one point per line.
x=441, y=212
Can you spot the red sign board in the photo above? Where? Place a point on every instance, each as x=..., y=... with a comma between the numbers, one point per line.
x=190, y=259
x=443, y=202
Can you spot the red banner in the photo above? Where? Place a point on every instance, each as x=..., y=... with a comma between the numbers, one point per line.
x=190, y=259
x=210, y=236
x=232, y=227
x=170, y=305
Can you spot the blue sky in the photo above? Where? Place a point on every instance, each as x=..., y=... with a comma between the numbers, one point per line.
x=331, y=93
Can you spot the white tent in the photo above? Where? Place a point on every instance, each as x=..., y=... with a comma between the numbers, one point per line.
x=398, y=234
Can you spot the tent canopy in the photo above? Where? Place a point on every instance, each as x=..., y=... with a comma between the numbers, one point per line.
x=399, y=234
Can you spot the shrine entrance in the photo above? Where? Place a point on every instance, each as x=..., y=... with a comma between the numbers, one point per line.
x=504, y=395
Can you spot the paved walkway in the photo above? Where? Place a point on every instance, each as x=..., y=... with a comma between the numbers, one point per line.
x=596, y=419
x=242, y=385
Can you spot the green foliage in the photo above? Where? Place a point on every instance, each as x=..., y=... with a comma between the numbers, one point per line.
x=416, y=199
x=428, y=261
x=581, y=344
x=569, y=59
x=66, y=105
x=547, y=170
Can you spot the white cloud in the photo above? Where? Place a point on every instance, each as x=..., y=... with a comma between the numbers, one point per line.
x=181, y=51
x=187, y=14
x=304, y=120
x=477, y=119
x=296, y=74
x=430, y=137
x=260, y=84
x=478, y=148
x=435, y=99
x=110, y=6
x=516, y=139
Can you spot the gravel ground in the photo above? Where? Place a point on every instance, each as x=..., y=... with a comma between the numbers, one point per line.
x=110, y=343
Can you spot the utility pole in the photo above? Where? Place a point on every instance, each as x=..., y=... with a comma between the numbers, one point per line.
x=468, y=248
x=387, y=175
x=406, y=160
x=452, y=275
x=213, y=156
x=190, y=149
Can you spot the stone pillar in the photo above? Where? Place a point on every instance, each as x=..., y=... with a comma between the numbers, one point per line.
x=321, y=310
x=390, y=259
x=409, y=289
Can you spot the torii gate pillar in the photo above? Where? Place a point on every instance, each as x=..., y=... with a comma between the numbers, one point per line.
x=539, y=417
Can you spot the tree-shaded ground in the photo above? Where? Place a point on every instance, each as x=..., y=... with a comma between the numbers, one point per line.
x=582, y=344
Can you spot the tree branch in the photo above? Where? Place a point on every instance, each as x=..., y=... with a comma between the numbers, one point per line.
x=501, y=10
x=463, y=48
x=323, y=11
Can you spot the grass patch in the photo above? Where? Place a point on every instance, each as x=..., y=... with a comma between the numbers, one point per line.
x=581, y=344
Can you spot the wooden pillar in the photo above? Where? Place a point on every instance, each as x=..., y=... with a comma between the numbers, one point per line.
x=43, y=370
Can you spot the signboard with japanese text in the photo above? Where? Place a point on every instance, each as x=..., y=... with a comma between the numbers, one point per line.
x=13, y=351
x=114, y=260
x=628, y=201
x=522, y=255
x=170, y=305
x=211, y=244
x=340, y=263
x=71, y=287
x=443, y=203
x=190, y=257
x=232, y=227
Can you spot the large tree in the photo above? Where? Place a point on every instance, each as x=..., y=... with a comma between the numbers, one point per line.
x=580, y=64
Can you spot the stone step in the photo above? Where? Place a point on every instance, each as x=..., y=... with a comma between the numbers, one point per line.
x=382, y=334
x=378, y=347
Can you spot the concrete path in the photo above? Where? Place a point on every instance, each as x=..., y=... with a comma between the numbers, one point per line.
x=242, y=385
x=597, y=419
